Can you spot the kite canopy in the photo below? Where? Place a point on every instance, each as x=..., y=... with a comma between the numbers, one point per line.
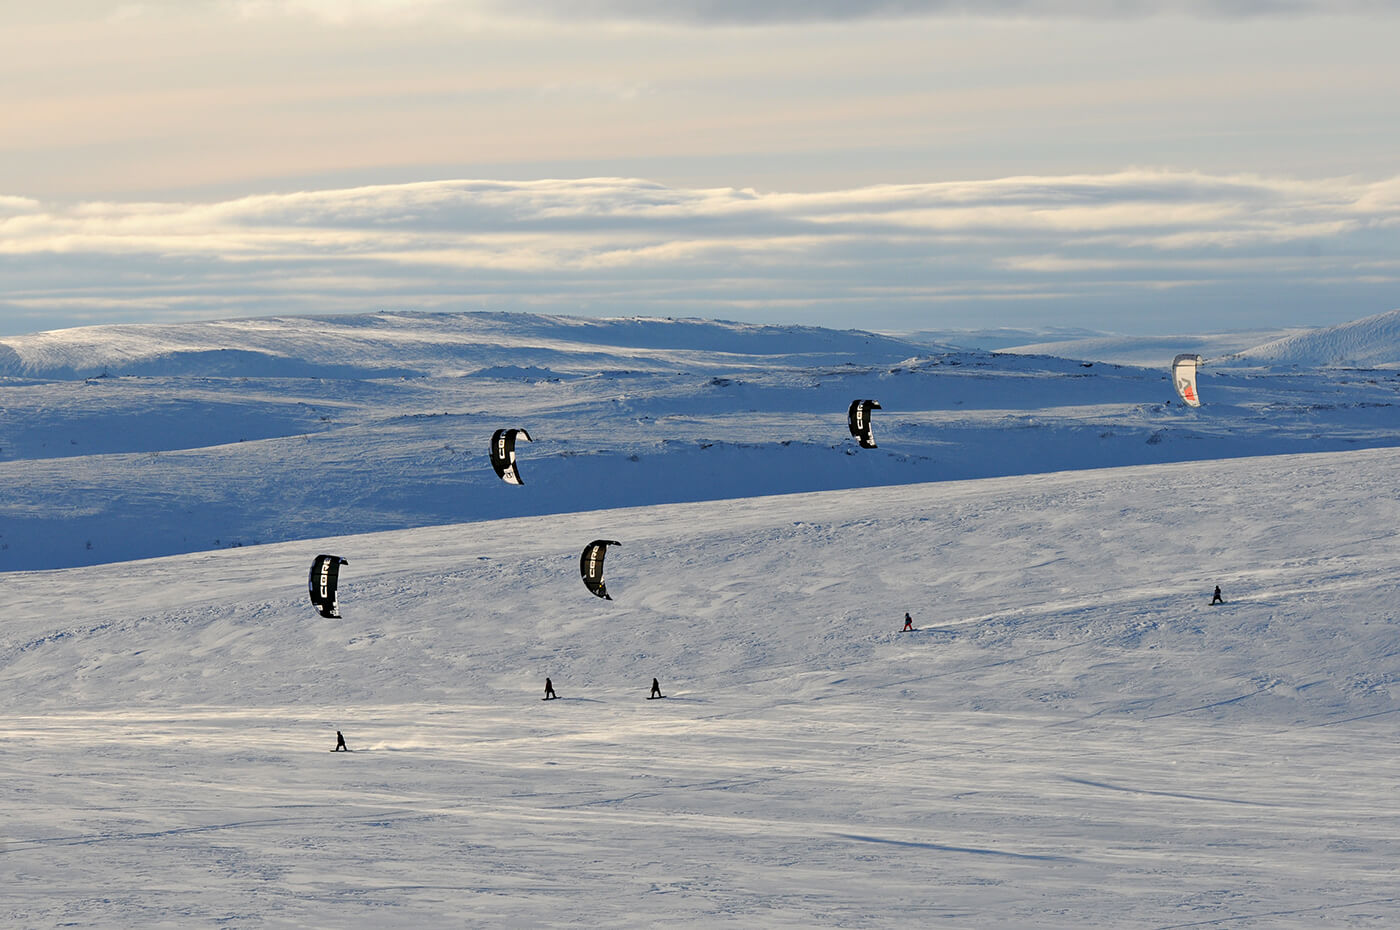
x=858, y=419
x=1184, y=378
x=590, y=566
x=503, y=454
x=325, y=575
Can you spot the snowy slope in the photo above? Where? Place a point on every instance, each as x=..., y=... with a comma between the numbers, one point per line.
x=1371, y=342
x=1072, y=738
x=413, y=344
x=119, y=443
x=1151, y=351
x=999, y=337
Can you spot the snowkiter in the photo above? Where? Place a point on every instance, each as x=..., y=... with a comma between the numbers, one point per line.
x=1217, y=599
x=549, y=694
x=655, y=690
x=340, y=743
x=908, y=622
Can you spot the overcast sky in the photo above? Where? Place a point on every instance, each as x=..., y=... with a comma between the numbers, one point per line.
x=893, y=164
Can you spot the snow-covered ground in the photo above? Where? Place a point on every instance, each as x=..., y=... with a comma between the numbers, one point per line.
x=1073, y=737
x=131, y=442
x=1370, y=342
x=1150, y=351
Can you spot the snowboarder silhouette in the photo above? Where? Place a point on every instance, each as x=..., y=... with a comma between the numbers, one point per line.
x=655, y=690
x=340, y=743
x=908, y=622
x=549, y=694
x=1217, y=599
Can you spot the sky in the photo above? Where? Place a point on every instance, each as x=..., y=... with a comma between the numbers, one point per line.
x=898, y=165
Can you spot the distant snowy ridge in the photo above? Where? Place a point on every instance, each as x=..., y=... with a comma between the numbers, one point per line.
x=994, y=339
x=1149, y=351
x=1370, y=342
x=398, y=344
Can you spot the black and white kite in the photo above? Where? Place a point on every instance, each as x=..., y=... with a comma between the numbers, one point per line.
x=858, y=418
x=590, y=566
x=503, y=454
x=325, y=574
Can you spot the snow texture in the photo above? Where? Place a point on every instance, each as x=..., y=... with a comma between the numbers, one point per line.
x=1149, y=351
x=129, y=442
x=1072, y=737
x=1371, y=342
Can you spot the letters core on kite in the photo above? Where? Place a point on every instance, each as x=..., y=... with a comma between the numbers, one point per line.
x=325, y=578
x=858, y=419
x=590, y=566
x=503, y=454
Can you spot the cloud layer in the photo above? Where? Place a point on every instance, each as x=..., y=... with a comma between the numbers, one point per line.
x=1150, y=250
x=161, y=100
x=778, y=11
x=748, y=12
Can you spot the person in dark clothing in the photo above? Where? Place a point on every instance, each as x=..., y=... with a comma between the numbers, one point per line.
x=908, y=622
x=655, y=690
x=549, y=694
x=340, y=743
x=1217, y=599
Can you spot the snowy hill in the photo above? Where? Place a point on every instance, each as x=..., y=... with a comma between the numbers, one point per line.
x=998, y=338
x=1371, y=342
x=1071, y=737
x=410, y=344
x=1149, y=351
x=120, y=443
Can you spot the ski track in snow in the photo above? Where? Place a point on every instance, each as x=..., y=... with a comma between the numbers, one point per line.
x=1072, y=737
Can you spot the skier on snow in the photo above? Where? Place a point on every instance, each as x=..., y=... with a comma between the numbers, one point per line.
x=908, y=622
x=340, y=743
x=1217, y=599
x=655, y=690
x=549, y=694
